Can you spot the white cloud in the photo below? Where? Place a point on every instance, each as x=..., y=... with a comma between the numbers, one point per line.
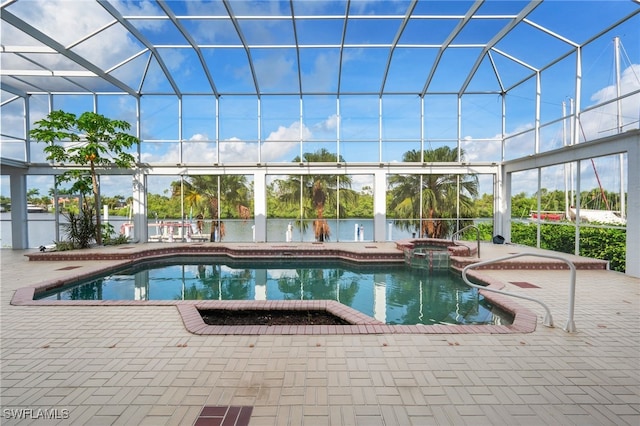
x=281, y=143
x=603, y=121
x=199, y=137
x=169, y=154
x=276, y=274
x=594, y=124
x=199, y=152
x=324, y=75
x=330, y=124
x=360, y=181
x=238, y=151
x=275, y=71
x=67, y=23
x=629, y=82
x=517, y=146
x=141, y=8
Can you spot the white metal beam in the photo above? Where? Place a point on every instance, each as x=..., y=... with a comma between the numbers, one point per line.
x=602, y=147
x=445, y=45
x=137, y=34
x=48, y=41
x=499, y=36
x=192, y=42
x=245, y=44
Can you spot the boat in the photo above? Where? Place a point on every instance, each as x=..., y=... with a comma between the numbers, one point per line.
x=599, y=216
x=545, y=215
x=32, y=208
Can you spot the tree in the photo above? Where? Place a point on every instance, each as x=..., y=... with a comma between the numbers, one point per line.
x=440, y=194
x=32, y=194
x=88, y=143
x=319, y=190
x=201, y=193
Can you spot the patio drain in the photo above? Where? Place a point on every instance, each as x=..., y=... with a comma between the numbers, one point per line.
x=216, y=415
x=523, y=284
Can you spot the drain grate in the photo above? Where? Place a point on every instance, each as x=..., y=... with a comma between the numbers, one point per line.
x=67, y=268
x=216, y=415
x=523, y=284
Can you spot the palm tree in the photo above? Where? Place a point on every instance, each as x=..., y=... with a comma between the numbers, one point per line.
x=209, y=194
x=315, y=192
x=319, y=283
x=439, y=193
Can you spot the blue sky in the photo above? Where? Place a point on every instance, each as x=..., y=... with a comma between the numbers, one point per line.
x=276, y=71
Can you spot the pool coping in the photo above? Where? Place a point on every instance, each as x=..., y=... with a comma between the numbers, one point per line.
x=524, y=320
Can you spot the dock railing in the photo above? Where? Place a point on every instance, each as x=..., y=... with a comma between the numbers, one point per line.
x=548, y=320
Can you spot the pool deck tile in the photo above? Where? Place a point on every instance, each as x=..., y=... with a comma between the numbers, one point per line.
x=122, y=363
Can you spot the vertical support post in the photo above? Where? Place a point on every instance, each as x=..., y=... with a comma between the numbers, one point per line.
x=338, y=128
x=502, y=220
x=27, y=129
x=300, y=130
x=501, y=201
x=633, y=220
x=380, y=128
x=539, y=207
x=217, y=130
x=19, y=228
x=459, y=159
x=537, y=117
x=577, y=106
x=567, y=202
x=616, y=51
x=379, y=205
x=260, y=205
x=139, y=207
x=259, y=106
x=420, y=207
x=578, y=201
x=620, y=124
x=459, y=129
x=422, y=129
x=338, y=207
x=180, y=138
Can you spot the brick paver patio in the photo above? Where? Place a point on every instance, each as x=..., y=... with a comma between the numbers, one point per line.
x=139, y=364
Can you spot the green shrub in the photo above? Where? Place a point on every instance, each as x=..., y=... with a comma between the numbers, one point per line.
x=597, y=243
x=108, y=238
x=605, y=244
x=63, y=245
x=80, y=230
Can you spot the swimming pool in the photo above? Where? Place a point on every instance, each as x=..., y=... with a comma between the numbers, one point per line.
x=392, y=293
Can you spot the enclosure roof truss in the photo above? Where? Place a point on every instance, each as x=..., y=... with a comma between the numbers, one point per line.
x=177, y=40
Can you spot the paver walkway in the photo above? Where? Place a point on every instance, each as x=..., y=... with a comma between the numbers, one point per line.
x=140, y=366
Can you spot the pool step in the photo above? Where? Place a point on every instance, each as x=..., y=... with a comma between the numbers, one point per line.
x=428, y=259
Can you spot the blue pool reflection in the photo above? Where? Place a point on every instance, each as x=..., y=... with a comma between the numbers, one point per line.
x=394, y=294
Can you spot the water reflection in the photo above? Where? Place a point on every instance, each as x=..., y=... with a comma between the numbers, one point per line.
x=393, y=294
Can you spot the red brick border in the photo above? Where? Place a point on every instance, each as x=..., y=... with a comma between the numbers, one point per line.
x=525, y=321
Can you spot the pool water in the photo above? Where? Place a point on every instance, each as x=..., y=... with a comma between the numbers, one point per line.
x=394, y=294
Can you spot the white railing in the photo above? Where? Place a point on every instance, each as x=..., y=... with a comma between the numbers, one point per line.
x=548, y=320
x=462, y=245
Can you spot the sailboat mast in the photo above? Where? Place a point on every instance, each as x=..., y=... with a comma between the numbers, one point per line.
x=616, y=50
